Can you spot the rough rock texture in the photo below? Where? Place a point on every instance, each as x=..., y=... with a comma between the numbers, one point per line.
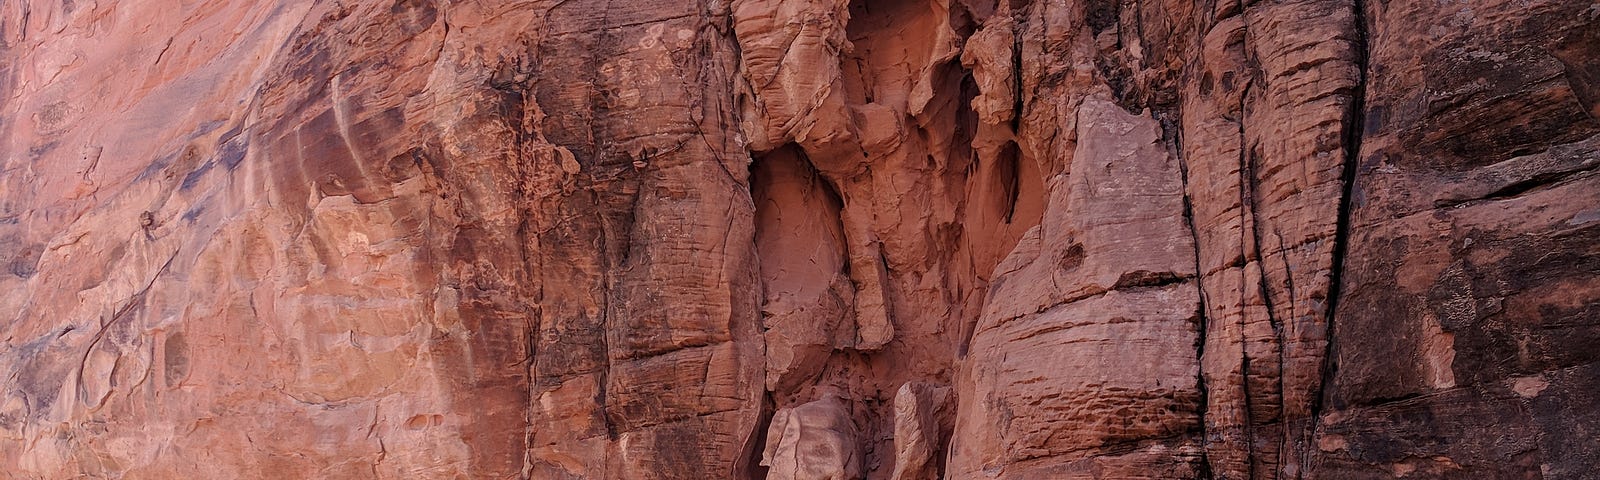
x=1070, y=366
x=800, y=239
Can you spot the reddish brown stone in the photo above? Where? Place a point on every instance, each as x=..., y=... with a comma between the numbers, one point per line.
x=810, y=239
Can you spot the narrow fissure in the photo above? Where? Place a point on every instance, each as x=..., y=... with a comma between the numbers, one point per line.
x=616, y=259
x=1247, y=424
x=1270, y=306
x=1007, y=176
x=516, y=100
x=757, y=447
x=1201, y=321
x=1516, y=188
x=1354, y=126
x=522, y=134
x=1017, y=104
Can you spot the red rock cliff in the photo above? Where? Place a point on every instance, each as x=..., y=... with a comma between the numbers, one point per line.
x=800, y=239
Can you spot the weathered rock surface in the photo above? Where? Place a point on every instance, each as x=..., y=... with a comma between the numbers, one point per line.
x=800, y=239
x=1071, y=365
x=813, y=440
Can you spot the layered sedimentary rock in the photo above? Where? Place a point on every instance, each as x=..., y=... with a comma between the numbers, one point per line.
x=812, y=239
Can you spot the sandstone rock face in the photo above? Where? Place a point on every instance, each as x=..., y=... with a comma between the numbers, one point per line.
x=813, y=440
x=1071, y=360
x=800, y=239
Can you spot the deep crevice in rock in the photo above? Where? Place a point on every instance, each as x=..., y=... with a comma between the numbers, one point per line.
x=1355, y=126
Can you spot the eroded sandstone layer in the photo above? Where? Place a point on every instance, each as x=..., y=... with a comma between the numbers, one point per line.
x=800, y=239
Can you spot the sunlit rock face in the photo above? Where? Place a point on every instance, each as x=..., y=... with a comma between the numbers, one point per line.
x=799, y=239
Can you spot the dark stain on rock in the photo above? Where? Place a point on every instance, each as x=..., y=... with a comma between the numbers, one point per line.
x=41, y=149
x=207, y=127
x=1480, y=111
x=193, y=178
x=1145, y=278
x=1073, y=258
x=1377, y=116
x=232, y=147
x=25, y=262
x=418, y=15
x=1560, y=411
x=175, y=359
x=39, y=375
x=53, y=116
x=1102, y=14
x=156, y=167
x=193, y=213
x=404, y=166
